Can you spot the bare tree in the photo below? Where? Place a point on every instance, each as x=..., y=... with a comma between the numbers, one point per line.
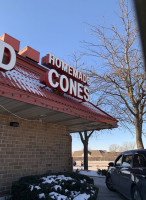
x=77, y=60
x=85, y=135
x=127, y=146
x=120, y=148
x=85, y=139
x=114, y=148
x=120, y=81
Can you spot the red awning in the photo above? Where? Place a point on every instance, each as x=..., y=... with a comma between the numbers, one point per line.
x=23, y=94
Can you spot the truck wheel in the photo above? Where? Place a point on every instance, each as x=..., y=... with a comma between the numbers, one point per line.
x=136, y=194
x=109, y=183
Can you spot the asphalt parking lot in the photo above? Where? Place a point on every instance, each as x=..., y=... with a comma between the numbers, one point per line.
x=104, y=193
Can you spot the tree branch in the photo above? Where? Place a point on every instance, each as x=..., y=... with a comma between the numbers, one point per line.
x=81, y=136
x=90, y=134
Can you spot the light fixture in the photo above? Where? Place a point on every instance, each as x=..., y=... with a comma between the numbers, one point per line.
x=14, y=124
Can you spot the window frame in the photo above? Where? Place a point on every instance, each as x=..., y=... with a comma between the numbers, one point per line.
x=119, y=157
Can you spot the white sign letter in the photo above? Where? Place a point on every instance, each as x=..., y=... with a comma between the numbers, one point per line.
x=52, y=76
x=12, y=61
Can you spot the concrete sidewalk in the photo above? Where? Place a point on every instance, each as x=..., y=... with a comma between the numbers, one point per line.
x=104, y=193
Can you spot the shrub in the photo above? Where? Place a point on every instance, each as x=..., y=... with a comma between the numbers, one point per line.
x=102, y=172
x=63, y=186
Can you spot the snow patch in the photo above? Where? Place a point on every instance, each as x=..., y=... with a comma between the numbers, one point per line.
x=57, y=186
x=42, y=195
x=48, y=180
x=37, y=187
x=57, y=196
x=83, y=196
x=89, y=173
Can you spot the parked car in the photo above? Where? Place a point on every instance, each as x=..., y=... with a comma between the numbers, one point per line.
x=74, y=163
x=127, y=174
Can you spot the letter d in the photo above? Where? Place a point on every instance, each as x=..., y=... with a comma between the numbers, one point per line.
x=12, y=61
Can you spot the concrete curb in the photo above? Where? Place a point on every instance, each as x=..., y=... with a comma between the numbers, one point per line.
x=5, y=197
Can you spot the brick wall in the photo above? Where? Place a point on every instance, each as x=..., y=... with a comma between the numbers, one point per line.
x=32, y=148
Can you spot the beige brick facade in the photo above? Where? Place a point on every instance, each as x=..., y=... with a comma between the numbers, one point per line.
x=32, y=148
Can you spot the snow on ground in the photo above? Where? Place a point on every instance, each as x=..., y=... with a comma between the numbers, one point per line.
x=88, y=173
x=82, y=197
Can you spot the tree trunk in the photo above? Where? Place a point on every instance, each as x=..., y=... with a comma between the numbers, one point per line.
x=85, y=140
x=86, y=155
x=138, y=127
